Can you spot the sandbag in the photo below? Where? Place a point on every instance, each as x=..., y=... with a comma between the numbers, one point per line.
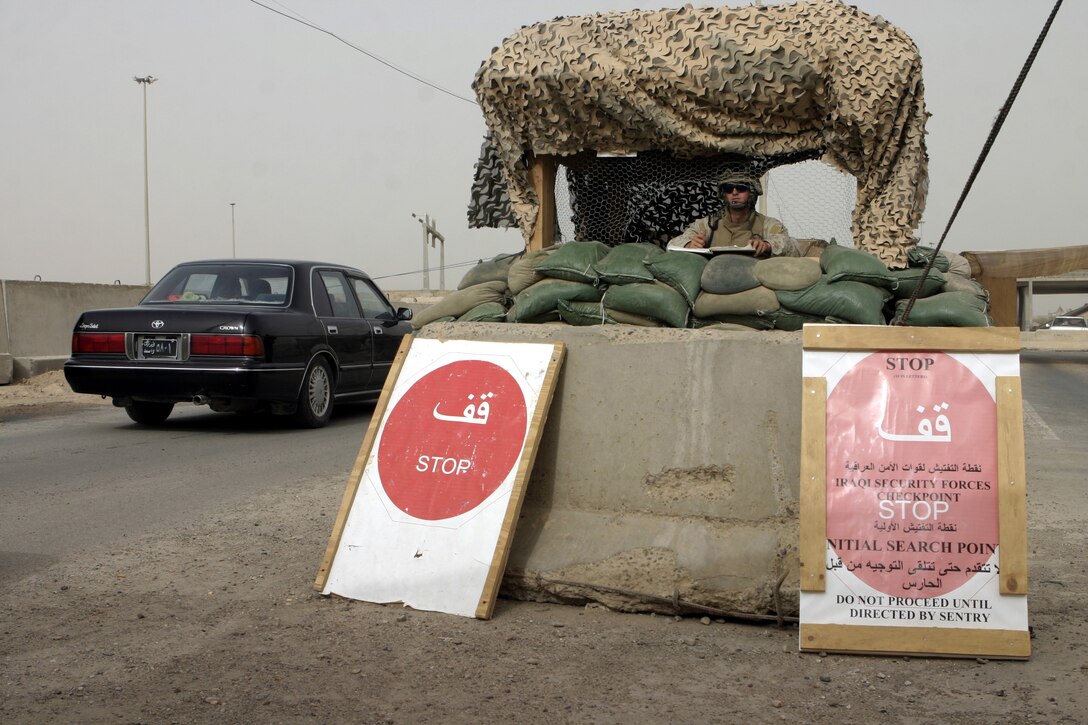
x=459, y=302
x=649, y=299
x=852, y=301
x=595, y=313
x=918, y=256
x=727, y=274
x=679, y=270
x=792, y=320
x=625, y=265
x=907, y=280
x=957, y=283
x=523, y=271
x=757, y=300
x=748, y=322
x=543, y=297
x=787, y=273
x=948, y=309
x=843, y=264
x=958, y=264
x=487, y=312
x=495, y=269
x=574, y=261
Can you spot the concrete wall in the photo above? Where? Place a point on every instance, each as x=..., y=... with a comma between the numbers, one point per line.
x=36, y=320
x=669, y=466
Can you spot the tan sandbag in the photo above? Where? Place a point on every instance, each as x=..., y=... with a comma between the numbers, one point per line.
x=495, y=269
x=749, y=302
x=523, y=272
x=459, y=302
x=787, y=273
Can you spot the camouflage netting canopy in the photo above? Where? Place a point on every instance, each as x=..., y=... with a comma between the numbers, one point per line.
x=811, y=78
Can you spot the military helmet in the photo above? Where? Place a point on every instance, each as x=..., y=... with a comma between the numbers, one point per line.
x=741, y=177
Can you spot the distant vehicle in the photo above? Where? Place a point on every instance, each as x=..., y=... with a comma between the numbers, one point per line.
x=1066, y=324
x=285, y=337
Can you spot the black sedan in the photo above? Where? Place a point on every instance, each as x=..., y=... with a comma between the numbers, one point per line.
x=242, y=335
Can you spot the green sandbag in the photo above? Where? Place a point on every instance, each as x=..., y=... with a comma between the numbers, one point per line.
x=787, y=273
x=495, y=269
x=523, y=271
x=842, y=264
x=594, y=313
x=907, y=281
x=855, y=302
x=754, y=301
x=727, y=274
x=543, y=297
x=487, y=312
x=948, y=309
x=751, y=322
x=574, y=261
x=624, y=264
x=919, y=257
x=681, y=271
x=649, y=299
x=791, y=320
x=458, y=303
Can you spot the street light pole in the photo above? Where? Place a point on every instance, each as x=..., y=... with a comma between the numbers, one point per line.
x=233, y=247
x=145, y=82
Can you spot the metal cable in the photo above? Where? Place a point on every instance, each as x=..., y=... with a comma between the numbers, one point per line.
x=998, y=122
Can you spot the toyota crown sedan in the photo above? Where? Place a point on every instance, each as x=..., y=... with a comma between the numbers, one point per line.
x=284, y=337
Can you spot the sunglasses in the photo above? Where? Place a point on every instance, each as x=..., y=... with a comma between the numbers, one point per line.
x=730, y=188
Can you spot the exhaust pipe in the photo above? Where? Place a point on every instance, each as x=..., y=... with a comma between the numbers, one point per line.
x=200, y=400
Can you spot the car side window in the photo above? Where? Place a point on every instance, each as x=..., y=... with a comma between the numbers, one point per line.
x=341, y=301
x=374, y=305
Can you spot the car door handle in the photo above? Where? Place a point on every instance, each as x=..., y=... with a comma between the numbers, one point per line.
x=379, y=331
x=332, y=329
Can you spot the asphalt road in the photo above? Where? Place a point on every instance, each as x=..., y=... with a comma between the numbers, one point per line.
x=77, y=480
x=82, y=479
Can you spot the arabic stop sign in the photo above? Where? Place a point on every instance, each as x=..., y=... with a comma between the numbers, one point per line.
x=911, y=473
x=452, y=439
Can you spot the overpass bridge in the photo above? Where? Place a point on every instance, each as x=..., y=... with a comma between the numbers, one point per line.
x=1014, y=277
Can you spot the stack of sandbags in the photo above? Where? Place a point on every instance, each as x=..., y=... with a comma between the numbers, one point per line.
x=590, y=283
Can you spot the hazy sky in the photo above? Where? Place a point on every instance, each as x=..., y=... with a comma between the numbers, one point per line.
x=327, y=153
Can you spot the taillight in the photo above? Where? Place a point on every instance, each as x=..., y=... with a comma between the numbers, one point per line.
x=98, y=342
x=245, y=345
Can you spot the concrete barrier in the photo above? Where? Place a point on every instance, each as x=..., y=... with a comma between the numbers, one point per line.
x=36, y=320
x=667, y=473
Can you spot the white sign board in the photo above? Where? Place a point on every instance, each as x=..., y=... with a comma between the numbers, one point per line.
x=441, y=476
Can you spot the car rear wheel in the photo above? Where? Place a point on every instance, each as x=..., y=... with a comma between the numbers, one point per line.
x=148, y=413
x=315, y=398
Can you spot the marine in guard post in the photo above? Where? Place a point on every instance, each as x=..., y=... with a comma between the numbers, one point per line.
x=740, y=225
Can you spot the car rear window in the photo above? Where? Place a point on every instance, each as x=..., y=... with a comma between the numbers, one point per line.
x=1070, y=322
x=242, y=284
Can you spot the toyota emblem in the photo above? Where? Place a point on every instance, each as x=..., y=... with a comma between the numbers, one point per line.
x=157, y=324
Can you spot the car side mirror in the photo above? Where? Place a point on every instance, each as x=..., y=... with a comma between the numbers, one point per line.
x=404, y=313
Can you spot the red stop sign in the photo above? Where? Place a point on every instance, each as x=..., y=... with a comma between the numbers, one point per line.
x=452, y=439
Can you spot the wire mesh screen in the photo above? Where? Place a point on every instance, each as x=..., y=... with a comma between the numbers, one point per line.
x=654, y=196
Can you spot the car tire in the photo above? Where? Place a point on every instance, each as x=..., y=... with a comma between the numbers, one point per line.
x=315, y=398
x=148, y=413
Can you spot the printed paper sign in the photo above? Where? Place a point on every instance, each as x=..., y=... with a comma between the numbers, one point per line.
x=438, y=485
x=912, y=505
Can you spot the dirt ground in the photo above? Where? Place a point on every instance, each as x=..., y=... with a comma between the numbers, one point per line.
x=216, y=621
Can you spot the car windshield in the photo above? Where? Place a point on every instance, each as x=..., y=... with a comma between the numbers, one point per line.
x=1070, y=322
x=240, y=284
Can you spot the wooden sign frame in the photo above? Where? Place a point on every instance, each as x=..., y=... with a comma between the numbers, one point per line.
x=366, y=487
x=815, y=549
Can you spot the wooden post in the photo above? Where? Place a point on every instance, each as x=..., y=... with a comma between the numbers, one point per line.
x=1003, y=299
x=544, y=185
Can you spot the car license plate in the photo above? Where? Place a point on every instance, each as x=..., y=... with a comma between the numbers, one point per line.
x=159, y=348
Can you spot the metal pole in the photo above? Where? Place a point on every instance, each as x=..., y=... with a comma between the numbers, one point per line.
x=441, y=256
x=426, y=261
x=145, y=82
x=233, y=246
